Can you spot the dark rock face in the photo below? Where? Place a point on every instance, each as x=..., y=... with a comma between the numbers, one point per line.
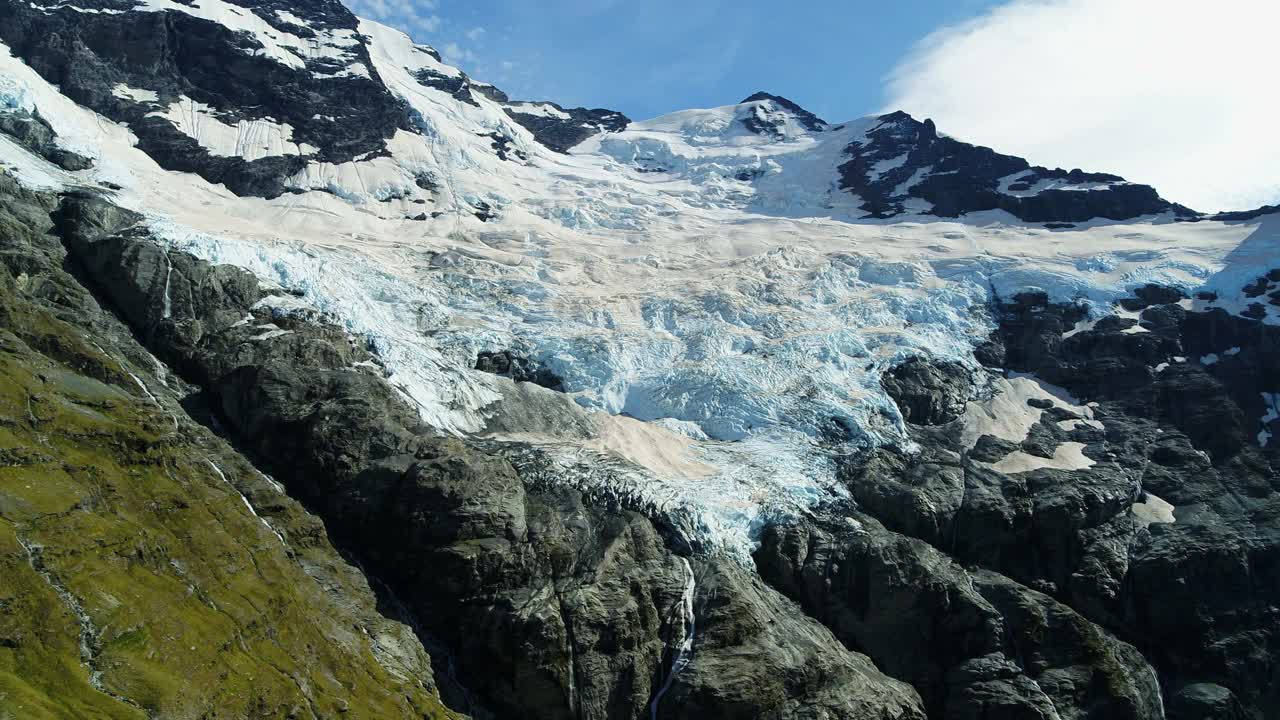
x=504, y=148
x=1246, y=214
x=486, y=89
x=87, y=54
x=928, y=393
x=976, y=644
x=766, y=122
x=1150, y=295
x=760, y=656
x=1206, y=701
x=34, y=133
x=548, y=604
x=959, y=178
x=561, y=129
x=238, y=605
x=1190, y=591
x=518, y=368
x=558, y=128
x=483, y=211
x=456, y=86
x=991, y=449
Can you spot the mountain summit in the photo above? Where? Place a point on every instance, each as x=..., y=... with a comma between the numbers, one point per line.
x=902, y=160
x=338, y=383
x=806, y=118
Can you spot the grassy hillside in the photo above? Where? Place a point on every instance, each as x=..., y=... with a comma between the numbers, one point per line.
x=136, y=580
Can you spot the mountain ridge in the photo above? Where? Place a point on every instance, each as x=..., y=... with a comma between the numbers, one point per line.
x=726, y=413
x=318, y=72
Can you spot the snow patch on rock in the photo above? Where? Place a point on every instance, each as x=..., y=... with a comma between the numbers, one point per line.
x=729, y=304
x=248, y=139
x=1151, y=510
x=1272, y=403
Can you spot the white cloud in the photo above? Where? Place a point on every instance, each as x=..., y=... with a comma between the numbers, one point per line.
x=410, y=15
x=475, y=33
x=455, y=54
x=1179, y=94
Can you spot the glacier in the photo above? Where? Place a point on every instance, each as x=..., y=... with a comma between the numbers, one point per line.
x=709, y=283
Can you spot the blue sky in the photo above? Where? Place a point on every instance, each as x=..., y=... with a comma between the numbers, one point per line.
x=650, y=58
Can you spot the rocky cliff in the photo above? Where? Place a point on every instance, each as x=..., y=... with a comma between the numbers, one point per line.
x=149, y=569
x=336, y=383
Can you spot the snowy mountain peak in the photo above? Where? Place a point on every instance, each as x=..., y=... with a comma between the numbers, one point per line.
x=903, y=165
x=776, y=103
x=736, y=278
x=269, y=100
x=593, y=397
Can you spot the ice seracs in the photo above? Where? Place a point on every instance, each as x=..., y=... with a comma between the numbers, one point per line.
x=14, y=94
x=707, y=291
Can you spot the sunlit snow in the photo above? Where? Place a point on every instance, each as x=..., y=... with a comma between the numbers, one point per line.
x=710, y=283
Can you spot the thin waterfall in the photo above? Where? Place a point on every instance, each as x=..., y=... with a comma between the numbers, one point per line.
x=684, y=653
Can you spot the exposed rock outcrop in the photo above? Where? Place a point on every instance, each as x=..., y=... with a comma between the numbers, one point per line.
x=758, y=656
x=1148, y=511
x=929, y=393
x=518, y=368
x=149, y=569
x=548, y=605
x=34, y=133
x=562, y=129
x=94, y=48
x=976, y=644
x=904, y=159
x=766, y=120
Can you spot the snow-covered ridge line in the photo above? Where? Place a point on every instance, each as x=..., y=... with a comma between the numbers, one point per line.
x=285, y=48
x=754, y=315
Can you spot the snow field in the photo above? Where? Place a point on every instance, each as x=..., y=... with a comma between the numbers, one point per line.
x=725, y=335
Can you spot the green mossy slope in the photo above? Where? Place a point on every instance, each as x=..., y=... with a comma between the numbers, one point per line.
x=136, y=580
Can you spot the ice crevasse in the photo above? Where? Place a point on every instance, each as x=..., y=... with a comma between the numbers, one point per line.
x=705, y=294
